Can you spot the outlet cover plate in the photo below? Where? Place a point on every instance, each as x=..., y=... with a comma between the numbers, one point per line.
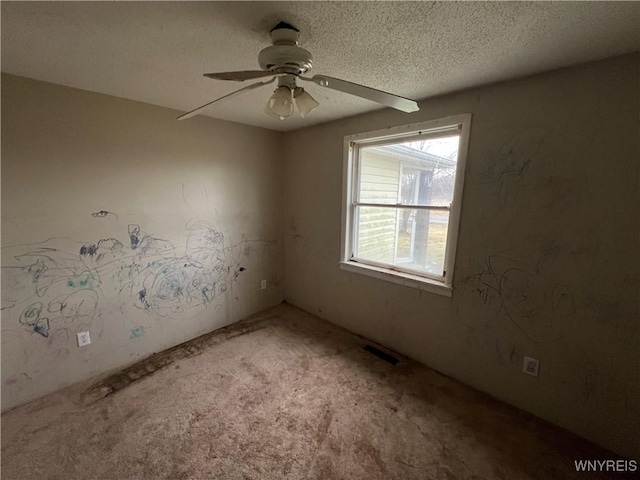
x=530, y=366
x=83, y=339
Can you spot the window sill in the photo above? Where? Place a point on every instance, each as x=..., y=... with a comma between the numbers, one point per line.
x=400, y=278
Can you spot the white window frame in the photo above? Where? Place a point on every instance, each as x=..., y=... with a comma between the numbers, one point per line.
x=442, y=285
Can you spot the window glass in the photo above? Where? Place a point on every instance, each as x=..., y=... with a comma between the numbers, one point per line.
x=409, y=173
x=413, y=239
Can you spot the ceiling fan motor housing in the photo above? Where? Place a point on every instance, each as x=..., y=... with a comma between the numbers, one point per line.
x=285, y=56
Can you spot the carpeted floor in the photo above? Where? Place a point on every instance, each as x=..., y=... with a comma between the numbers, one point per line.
x=283, y=395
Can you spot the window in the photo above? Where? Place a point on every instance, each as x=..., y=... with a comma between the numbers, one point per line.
x=401, y=202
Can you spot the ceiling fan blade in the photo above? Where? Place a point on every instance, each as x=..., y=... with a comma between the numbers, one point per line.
x=196, y=111
x=388, y=99
x=240, y=76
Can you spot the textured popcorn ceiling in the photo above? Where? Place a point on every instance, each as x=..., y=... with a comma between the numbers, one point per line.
x=156, y=52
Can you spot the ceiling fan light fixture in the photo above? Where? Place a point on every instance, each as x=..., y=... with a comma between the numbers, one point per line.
x=287, y=62
x=269, y=112
x=281, y=103
x=305, y=102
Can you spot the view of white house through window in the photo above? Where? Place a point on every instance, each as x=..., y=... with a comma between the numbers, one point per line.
x=402, y=195
x=409, y=173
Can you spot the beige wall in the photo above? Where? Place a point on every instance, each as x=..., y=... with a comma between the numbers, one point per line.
x=206, y=196
x=547, y=261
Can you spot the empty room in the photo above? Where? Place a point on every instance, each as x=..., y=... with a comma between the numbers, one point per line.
x=320, y=240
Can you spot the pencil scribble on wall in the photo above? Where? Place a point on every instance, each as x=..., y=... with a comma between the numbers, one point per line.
x=51, y=285
x=61, y=283
x=507, y=289
x=147, y=244
x=103, y=214
x=163, y=280
x=506, y=165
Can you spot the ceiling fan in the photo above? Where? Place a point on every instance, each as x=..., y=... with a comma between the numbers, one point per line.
x=287, y=62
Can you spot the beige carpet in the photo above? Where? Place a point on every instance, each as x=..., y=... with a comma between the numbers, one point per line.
x=283, y=395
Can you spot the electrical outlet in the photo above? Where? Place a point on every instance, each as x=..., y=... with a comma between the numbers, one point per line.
x=263, y=284
x=530, y=366
x=83, y=339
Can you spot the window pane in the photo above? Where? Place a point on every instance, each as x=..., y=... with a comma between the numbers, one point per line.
x=411, y=173
x=408, y=238
x=422, y=240
x=376, y=233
